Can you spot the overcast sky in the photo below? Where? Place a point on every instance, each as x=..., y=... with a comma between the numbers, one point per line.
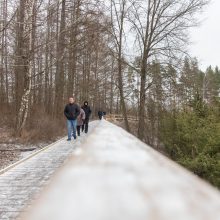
x=206, y=37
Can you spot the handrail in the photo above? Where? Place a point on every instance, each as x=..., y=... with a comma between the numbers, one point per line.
x=118, y=117
x=114, y=176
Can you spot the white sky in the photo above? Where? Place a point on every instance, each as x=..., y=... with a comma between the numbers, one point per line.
x=206, y=37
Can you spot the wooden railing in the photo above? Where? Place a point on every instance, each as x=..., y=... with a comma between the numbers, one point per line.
x=118, y=117
x=114, y=176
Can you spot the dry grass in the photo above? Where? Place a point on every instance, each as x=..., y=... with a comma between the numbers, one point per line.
x=40, y=127
x=41, y=130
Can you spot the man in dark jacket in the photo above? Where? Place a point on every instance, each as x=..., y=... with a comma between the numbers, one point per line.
x=88, y=112
x=100, y=114
x=71, y=112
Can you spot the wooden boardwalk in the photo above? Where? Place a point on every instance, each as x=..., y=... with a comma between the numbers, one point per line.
x=20, y=184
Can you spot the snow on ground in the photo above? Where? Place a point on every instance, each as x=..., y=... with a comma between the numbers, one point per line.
x=11, y=150
x=21, y=184
x=114, y=176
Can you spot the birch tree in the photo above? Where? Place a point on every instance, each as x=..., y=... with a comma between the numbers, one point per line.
x=29, y=22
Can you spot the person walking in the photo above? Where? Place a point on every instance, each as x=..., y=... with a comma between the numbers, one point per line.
x=88, y=112
x=80, y=120
x=100, y=114
x=71, y=112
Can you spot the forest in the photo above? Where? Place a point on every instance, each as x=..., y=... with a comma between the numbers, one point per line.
x=126, y=57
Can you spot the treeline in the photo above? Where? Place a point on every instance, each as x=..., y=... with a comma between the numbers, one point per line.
x=51, y=50
x=184, y=117
x=123, y=57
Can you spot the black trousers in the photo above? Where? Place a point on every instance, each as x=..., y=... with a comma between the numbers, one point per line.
x=100, y=117
x=85, y=126
x=78, y=129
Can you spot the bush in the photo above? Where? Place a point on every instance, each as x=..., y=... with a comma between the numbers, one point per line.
x=192, y=138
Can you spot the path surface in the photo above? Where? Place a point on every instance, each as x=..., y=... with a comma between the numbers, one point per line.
x=114, y=176
x=20, y=185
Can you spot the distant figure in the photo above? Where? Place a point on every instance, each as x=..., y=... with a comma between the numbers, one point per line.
x=80, y=120
x=88, y=112
x=71, y=112
x=100, y=114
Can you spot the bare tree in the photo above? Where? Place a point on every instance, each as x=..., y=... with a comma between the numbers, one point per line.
x=161, y=28
x=119, y=10
x=59, y=77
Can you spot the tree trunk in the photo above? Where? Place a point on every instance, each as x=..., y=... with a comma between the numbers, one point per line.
x=142, y=99
x=25, y=100
x=120, y=77
x=20, y=61
x=59, y=77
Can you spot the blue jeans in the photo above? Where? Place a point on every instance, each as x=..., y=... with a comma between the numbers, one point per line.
x=71, y=127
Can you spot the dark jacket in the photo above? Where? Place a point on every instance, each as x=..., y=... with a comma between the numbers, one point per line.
x=100, y=113
x=87, y=111
x=71, y=111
